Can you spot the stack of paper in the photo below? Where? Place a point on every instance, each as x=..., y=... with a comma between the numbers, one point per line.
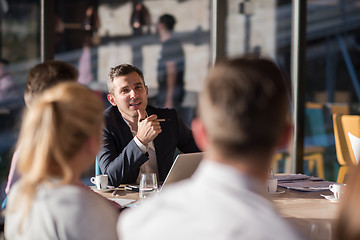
x=291, y=177
x=301, y=182
x=355, y=145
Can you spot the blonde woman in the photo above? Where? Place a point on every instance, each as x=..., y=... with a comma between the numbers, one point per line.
x=59, y=138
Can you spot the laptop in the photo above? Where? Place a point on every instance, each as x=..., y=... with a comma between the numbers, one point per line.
x=183, y=167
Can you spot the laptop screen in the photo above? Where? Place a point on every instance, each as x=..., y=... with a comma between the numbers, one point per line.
x=183, y=167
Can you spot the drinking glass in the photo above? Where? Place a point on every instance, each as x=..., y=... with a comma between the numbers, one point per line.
x=320, y=231
x=148, y=185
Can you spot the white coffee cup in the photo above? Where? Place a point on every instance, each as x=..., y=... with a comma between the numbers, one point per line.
x=271, y=184
x=101, y=181
x=337, y=189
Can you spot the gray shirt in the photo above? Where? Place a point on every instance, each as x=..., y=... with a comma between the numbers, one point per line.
x=61, y=212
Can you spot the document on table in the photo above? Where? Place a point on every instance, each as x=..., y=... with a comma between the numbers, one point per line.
x=307, y=186
x=123, y=202
x=355, y=145
x=301, y=182
x=291, y=177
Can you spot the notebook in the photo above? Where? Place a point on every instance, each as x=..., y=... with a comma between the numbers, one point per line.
x=183, y=167
x=355, y=145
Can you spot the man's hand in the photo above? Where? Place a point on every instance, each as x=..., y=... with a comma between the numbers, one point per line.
x=148, y=128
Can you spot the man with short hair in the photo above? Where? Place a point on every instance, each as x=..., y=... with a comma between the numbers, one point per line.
x=138, y=138
x=171, y=65
x=243, y=120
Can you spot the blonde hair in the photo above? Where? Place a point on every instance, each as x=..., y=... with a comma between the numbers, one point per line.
x=59, y=122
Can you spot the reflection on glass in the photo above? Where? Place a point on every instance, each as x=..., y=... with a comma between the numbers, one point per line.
x=96, y=35
x=332, y=79
x=19, y=51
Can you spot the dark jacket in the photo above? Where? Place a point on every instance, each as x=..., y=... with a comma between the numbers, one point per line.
x=120, y=158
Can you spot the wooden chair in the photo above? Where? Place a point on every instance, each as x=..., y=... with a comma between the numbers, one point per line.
x=277, y=158
x=339, y=108
x=344, y=124
x=312, y=155
x=313, y=151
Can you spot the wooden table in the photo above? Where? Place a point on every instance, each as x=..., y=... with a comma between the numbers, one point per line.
x=122, y=193
x=308, y=211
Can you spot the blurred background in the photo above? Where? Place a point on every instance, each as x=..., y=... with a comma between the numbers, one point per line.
x=95, y=35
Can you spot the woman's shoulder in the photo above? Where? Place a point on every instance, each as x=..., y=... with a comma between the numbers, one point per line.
x=71, y=194
x=80, y=212
x=80, y=209
x=77, y=201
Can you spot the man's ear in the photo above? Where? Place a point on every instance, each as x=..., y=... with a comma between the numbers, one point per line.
x=285, y=136
x=199, y=133
x=111, y=99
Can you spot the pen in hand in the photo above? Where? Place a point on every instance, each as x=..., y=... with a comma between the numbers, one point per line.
x=158, y=120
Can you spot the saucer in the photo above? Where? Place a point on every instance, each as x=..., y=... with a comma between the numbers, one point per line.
x=277, y=192
x=330, y=197
x=108, y=189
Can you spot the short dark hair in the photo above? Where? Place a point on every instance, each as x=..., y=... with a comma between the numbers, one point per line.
x=122, y=70
x=168, y=20
x=47, y=74
x=245, y=105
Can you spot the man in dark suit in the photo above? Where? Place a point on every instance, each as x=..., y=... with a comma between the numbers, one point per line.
x=138, y=138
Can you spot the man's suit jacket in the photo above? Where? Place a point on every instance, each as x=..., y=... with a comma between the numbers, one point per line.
x=120, y=158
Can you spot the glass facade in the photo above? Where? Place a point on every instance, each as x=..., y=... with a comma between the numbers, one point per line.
x=263, y=28
x=332, y=50
x=98, y=35
x=332, y=84
x=19, y=51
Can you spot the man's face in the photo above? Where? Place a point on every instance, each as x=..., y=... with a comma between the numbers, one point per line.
x=130, y=94
x=160, y=28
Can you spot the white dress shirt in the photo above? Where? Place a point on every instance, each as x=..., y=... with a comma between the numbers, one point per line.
x=150, y=166
x=218, y=202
